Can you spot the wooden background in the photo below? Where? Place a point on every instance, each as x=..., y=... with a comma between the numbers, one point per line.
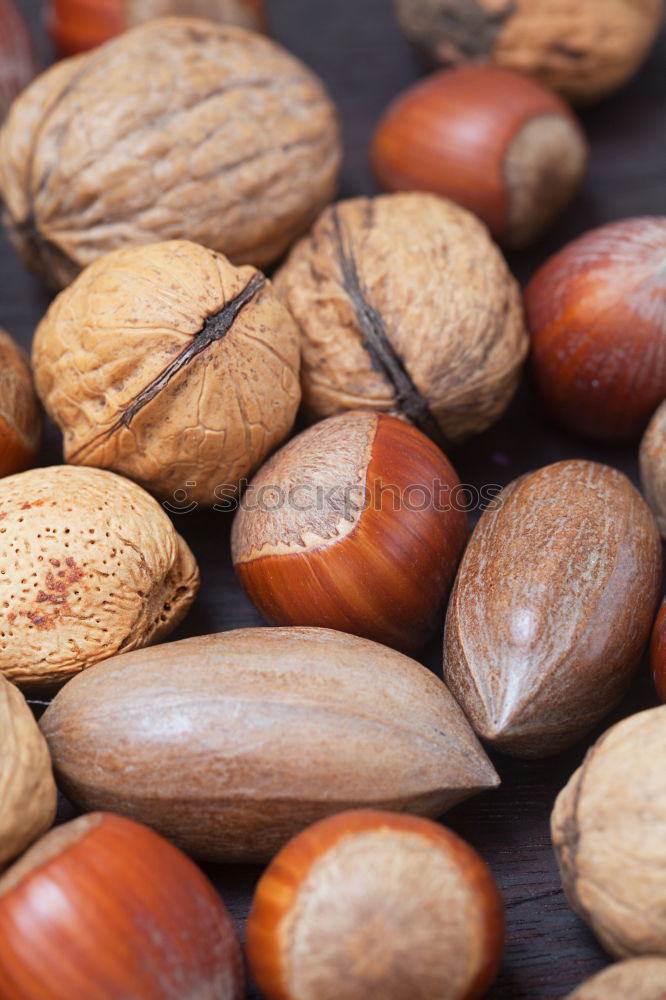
x=355, y=46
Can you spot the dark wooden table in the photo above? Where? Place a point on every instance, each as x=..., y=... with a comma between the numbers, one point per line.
x=355, y=46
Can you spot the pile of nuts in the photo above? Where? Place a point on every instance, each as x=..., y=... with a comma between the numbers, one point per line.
x=149, y=181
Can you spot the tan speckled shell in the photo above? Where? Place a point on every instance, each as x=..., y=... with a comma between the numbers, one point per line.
x=20, y=413
x=101, y=354
x=584, y=49
x=609, y=833
x=27, y=789
x=91, y=566
x=179, y=128
x=441, y=289
x=653, y=466
x=634, y=979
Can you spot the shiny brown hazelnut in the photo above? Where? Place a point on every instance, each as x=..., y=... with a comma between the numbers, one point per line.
x=20, y=413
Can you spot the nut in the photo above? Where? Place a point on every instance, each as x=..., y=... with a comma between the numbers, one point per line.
x=169, y=365
x=373, y=904
x=597, y=314
x=552, y=607
x=245, y=738
x=27, y=789
x=491, y=140
x=658, y=653
x=406, y=306
x=103, y=907
x=20, y=415
x=609, y=834
x=353, y=525
x=582, y=50
x=17, y=55
x=638, y=978
x=93, y=567
x=180, y=128
x=653, y=466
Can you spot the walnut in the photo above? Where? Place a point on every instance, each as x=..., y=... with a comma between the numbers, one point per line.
x=406, y=306
x=20, y=414
x=653, y=466
x=92, y=567
x=27, y=789
x=180, y=128
x=582, y=50
x=638, y=978
x=609, y=834
x=171, y=366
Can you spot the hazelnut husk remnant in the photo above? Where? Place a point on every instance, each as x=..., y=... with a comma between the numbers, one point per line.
x=406, y=306
x=20, y=413
x=582, y=50
x=635, y=978
x=609, y=834
x=27, y=789
x=653, y=466
x=178, y=129
x=92, y=567
x=171, y=366
x=373, y=904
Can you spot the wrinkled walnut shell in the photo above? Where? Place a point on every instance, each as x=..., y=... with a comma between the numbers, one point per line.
x=405, y=306
x=582, y=50
x=609, y=834
x=180, y=128
x=653, y=466
x=637, y=978
x=27, y=790
x=20, y=414
x=167, y=364
x=93, y=567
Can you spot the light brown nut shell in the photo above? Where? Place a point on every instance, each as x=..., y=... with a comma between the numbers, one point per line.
x=242, y=13
x=171, y=366
x=20, y=413
x=91, y=566
x=653, y=466
x=634, y=979
x=238, y=741
x=552, y=606
x=582, y=50
x=27, y=789
x=180, y=128
x=609, y=833
x=406, y=306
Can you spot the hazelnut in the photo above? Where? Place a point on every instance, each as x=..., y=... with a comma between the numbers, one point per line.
x=17, y=55
x=180, y=128
x=597, y=314
x=353, y=525
x=27, y=789
x=103, y=907
x=93, y=567
x=658, y=653
x=638, y=978
x=171, y=366
x=552, y=606
x=372, y=904
x=245, y=738
x=494, y=141
x=609, y=833
x=582, y=50
x=405, y=306
x=653, y=464
x=20, y=413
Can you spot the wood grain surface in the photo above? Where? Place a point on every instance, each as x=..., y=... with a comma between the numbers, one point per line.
x=356, y=47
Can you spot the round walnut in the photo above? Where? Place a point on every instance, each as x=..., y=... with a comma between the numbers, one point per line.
x=609, y=834
x=653, y=466
x=92, y=567
x=27, y=789
x=582, y=50
x=180, y=128
x=406, y=306
x=168, y=364
x=20, y=414
x=638, y=978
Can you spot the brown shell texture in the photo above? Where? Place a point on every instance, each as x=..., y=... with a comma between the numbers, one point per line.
x=405, y=305
x=27, y=789
x=609, y=833
x=633, y=979
x=582, y=50
x=230, y=744
x=20, y=413
x=653, y=466
x=237, y=12
x=171, y=366
x=179, y=128
x=552, y=606
x=92, y=566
